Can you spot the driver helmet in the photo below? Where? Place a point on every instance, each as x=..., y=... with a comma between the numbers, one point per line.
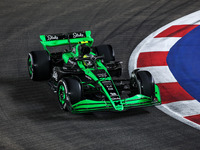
x=87, y=63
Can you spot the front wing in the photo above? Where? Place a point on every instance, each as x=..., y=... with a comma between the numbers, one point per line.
x=138, y=100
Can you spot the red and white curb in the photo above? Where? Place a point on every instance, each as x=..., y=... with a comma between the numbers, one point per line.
x=151, y=55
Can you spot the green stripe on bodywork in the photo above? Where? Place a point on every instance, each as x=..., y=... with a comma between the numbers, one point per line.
x=88, y=72
x=101, y=65
x=66, y=57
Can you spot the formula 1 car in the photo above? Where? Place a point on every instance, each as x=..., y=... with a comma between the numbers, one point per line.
x=85, y=77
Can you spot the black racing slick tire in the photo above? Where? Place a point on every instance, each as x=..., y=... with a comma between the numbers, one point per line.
x=69, y=92
x=39, y=65
x=144, y=82
x=107, y=51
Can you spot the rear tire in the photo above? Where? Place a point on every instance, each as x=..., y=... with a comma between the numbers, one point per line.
x=144, y=82
x=39, y=65
x=106, y=51
x=69, y=93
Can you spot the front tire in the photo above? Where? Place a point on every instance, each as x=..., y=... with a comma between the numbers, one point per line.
x=69, y=93
x=144, y=83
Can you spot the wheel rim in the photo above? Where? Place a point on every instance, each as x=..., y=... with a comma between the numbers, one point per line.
x=62, y=94
x=30, y=66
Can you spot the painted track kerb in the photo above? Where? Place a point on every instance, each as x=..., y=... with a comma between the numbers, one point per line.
x=185, y=107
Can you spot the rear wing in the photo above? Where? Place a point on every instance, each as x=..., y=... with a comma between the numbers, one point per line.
x=50, y=40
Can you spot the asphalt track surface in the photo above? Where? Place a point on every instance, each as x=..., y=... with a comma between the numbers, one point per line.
x=30, y=117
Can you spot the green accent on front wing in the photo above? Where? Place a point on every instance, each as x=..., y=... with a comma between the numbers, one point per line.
x=157, y=93
x=138, y=100
x=135, y=101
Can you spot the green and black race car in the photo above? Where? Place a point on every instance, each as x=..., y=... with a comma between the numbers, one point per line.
x=85, y=77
